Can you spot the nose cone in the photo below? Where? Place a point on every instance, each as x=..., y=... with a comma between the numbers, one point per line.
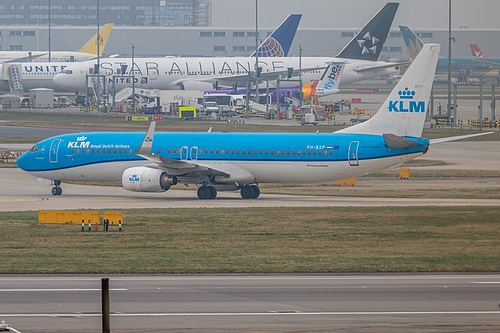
x=22, y=161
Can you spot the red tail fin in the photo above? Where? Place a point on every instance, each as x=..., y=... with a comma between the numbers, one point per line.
x=476, y=51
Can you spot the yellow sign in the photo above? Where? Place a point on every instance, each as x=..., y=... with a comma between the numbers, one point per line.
x=114, y=217
x=68, y=216
x=137, y=118
x=187, y=112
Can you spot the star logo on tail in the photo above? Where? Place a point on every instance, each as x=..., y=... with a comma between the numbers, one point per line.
x=368, y=43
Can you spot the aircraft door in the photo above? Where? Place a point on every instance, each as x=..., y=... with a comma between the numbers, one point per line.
x=193, y=153
x=54, y=149
x=352, y=155
x=184, y=153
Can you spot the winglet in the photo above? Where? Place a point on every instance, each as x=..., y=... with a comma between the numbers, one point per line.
x=147, y=142
x=91, y=46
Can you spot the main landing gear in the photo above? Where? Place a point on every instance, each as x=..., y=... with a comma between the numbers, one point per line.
x=250, y=192
x=57, y=190
x=207, y=192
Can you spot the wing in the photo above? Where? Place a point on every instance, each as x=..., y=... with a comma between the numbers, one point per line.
x=197, y=170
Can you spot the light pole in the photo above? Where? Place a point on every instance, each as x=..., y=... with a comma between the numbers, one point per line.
x=133, y=79
x=449, y=62
x=49, y=34
x=256, y=53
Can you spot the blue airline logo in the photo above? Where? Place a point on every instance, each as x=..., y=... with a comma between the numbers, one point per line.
x=406, y=103
x=332, y=78
x=134, y=178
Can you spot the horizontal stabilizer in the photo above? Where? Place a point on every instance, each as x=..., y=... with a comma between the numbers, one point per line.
x=454, y=138
x=397, y=142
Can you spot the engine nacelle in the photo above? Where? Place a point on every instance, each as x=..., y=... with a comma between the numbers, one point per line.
x=143, y=179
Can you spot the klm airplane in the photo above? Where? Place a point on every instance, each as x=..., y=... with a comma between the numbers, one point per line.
x=153, y=162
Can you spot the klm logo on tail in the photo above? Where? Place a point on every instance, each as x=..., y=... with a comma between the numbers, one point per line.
x=333, y=77
x=406, y=103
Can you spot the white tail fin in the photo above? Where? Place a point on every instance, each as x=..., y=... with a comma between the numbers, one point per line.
x=330, y=81
x=403, y=112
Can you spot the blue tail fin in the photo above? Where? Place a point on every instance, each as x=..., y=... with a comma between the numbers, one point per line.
x=368, y=42
x=413, y=43
x=279, y=42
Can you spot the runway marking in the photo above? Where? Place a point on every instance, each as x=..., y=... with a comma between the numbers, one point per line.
x=50, y=290
x=23, y=200
x=236, y=314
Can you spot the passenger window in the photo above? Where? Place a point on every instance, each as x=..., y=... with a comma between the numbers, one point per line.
x=130, y=151
x=277, y=152
x=283, y=152
x=174, y=151
x=293, y=152
x=227, y=151
x=109, y=151
x=78, y=151
x=272, y=152
x=255, y=152
x=124, y=151
x=288, y=152
x=216, y=151
x=72, y=151
x=331, y=152
x=92, y=151
x=211, y=151
x=98, y=150
x=222, y=151
x=298, y=152
x=232, y=152
x=308, y=152
x=158, y=151
x=114, y=151
x=119, y=151
x=320, y=152
x=260, y=152
x=238, y=152
x=243, y=152
x=266, y=152
x=168, y=152
x=314, y=152
x=206, y=151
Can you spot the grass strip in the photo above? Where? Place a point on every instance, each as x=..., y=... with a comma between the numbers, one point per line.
x=263, y=240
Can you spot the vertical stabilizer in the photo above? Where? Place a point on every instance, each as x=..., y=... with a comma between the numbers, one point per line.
x=368, y=42
x=476, y=51
x=330, y=80
x=403, y=112
x=279, y=42
x=91, y=46
x=413, y=43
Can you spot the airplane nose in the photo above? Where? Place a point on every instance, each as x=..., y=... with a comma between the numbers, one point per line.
x=22, y=161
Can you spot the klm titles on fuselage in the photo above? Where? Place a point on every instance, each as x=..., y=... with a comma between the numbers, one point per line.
x=406, y=103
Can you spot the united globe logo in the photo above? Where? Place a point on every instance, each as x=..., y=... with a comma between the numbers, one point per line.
x=271, y=48
x=406, y=102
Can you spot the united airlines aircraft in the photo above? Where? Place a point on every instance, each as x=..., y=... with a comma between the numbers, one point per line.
x=204, y=73
x=153, y=162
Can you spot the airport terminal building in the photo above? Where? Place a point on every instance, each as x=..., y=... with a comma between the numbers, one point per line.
x=184, y=28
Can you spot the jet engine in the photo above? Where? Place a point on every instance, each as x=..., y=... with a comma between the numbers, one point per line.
x=143, y=179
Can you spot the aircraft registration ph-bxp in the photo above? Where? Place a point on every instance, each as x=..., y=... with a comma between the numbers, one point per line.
x=230, y=161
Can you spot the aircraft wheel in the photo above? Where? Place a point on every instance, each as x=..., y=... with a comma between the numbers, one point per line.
x=59, y=190
x=213, y=192
x=54, y=191
x=255, y=191
x=204, y=192
x=246, y=192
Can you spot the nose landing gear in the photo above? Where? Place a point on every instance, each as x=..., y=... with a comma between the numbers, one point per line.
x=57, y=190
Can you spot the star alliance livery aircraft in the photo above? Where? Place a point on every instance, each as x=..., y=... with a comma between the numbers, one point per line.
x=153, y=162
x=204, y=73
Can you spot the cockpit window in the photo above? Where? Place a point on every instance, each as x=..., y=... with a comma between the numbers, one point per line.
x=34, y=149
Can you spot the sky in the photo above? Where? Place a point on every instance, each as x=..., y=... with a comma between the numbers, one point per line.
x=417, y=14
